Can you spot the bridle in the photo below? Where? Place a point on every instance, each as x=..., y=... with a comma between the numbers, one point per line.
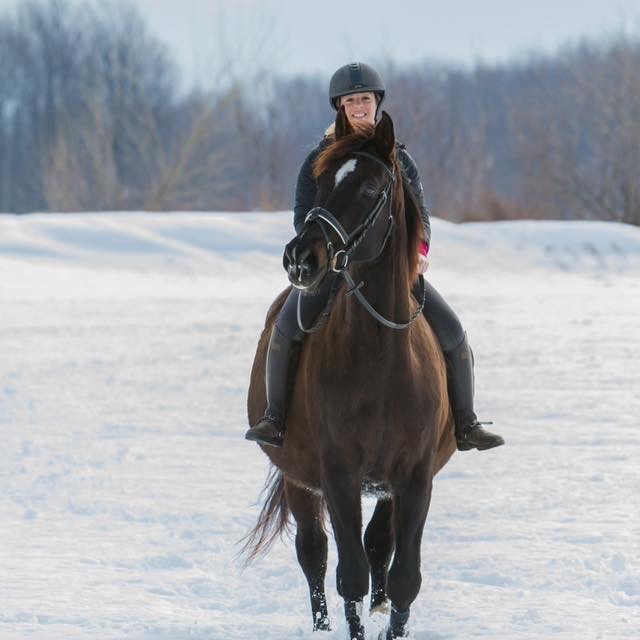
x=340, y=260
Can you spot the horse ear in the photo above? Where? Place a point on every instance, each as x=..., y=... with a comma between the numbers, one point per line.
x=343, y=126
x=385, y=138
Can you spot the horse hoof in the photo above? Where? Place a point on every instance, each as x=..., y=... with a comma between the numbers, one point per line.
x=322, y=625
x=387, y=634
x=382, y=607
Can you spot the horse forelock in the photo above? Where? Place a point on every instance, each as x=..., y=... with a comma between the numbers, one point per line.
x=329, y=157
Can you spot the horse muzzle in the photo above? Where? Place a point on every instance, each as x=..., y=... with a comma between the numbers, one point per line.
x=302, y=266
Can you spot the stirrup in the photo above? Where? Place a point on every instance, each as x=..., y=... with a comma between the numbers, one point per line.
x=268, y=431
x=473, y=436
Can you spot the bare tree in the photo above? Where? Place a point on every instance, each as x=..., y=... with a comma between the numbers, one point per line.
x=129, y=141
x=92, y=116
x=578, y=132
x=436, y=113
x=7, y=110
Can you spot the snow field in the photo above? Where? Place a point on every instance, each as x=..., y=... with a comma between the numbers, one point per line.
x=126, y=342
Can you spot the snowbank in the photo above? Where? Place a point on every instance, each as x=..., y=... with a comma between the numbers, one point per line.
x=126, y=342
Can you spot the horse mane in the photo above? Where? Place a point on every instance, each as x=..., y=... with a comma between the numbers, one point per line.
x=362, y=133
x=415, y=227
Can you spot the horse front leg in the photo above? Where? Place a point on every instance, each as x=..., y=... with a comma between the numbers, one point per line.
x=378, y=543
x=342, y=493
x=311, y=548
x=411, y=505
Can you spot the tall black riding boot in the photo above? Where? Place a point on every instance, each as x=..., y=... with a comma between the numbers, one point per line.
x=282, y=362
x=470, y=433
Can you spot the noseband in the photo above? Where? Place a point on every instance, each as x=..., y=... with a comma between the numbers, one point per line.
x=340, y=260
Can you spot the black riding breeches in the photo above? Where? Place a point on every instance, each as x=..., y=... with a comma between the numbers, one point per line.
x=442, y=318
x=439, y=314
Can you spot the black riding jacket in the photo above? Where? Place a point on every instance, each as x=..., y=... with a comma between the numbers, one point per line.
x=306, y=186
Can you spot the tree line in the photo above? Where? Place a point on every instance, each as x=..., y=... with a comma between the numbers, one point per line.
x=93, y=117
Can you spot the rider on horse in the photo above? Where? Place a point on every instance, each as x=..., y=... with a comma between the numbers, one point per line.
x=360, y=90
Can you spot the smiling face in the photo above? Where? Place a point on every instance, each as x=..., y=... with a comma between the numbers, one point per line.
x=360, y=107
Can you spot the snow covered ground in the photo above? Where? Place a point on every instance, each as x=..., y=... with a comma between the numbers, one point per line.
x=126, y=342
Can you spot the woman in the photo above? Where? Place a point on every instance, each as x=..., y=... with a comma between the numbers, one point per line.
x=360, y=90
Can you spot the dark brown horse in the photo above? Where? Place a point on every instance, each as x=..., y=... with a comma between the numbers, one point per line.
x=369, y=407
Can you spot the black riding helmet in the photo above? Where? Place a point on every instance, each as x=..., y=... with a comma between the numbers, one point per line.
x=356, y=77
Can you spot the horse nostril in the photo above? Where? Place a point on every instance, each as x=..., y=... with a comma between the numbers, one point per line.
x=307, y=262
x=289, y=257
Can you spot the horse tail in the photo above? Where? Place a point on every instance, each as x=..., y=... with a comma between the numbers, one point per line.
x=272, y=521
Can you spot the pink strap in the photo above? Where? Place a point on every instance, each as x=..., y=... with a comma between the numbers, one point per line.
x=424, y=248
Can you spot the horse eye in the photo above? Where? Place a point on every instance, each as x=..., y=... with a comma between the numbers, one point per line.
x=369, y=191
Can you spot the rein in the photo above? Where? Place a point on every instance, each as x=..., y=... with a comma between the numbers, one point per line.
x=339, y=260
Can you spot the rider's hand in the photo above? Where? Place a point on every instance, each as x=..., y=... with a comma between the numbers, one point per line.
x=423, y=264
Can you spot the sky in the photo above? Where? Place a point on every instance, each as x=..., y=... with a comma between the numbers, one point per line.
x=295, y=36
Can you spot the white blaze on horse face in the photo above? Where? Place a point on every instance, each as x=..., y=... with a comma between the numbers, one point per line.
x=344, y=170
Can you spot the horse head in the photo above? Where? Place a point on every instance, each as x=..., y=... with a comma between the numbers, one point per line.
x=352, y=215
